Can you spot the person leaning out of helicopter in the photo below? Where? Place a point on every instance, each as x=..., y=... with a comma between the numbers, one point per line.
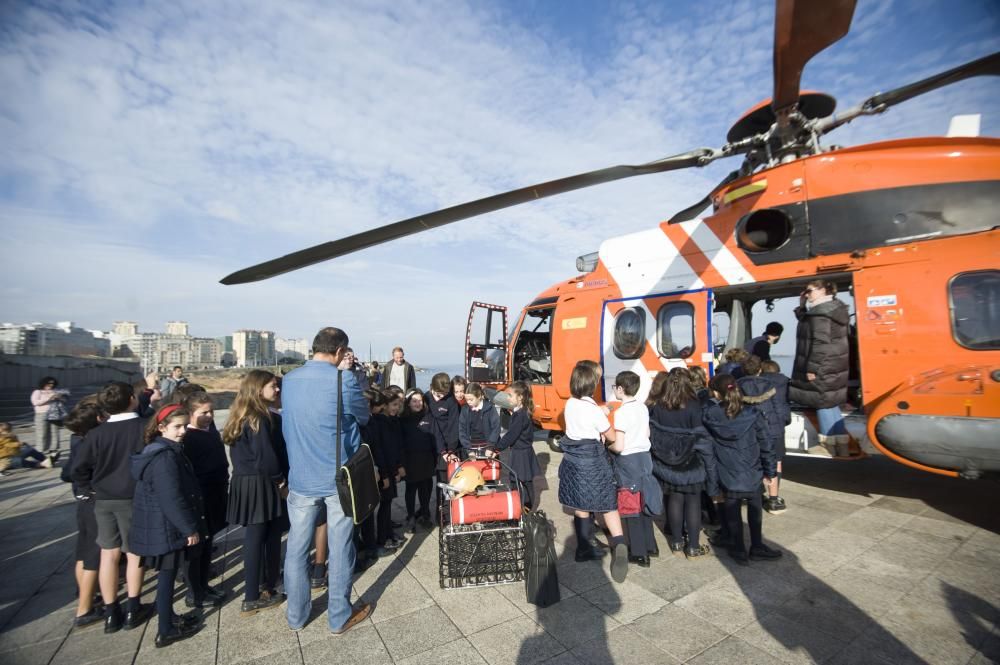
x=819, y=375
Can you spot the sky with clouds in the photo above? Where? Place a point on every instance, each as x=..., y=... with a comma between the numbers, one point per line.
x=149, y=149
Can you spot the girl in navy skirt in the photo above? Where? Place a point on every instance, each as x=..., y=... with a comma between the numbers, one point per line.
x=203, y=447
x=166, y=515
x=258, y=487
x=519, y=439
x=586, y=479
x=744, y=455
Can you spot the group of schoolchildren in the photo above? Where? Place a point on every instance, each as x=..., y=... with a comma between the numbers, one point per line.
x=694, y=445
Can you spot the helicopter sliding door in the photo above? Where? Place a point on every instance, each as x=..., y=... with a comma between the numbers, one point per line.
x=486, y=344
x=653, y=333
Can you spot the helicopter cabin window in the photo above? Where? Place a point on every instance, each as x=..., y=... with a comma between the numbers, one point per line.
x=533, y=348
x=630, y=333
x=675, y=330
x=975, y=309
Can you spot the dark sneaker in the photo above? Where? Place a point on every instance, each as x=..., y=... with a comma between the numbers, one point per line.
x=189, y=619
x=774, y=504
x=89, y=619
x=411, y=524
x=138, y=617
x=739, y=556
x=207, y=601
x=619, y=562
x=213, y=593
x=764, y=553
x=676, y=546
x=695, y=552
x=317, y=578
x=176, y=634
x=267, y=601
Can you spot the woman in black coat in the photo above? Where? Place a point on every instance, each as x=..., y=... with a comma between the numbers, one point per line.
x=167, y=515
x=822, y=361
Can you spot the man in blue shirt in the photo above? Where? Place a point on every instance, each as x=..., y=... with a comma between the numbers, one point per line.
x=309, y=423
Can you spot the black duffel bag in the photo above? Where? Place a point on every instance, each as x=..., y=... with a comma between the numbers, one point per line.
x=357, y=482
x=541, y=582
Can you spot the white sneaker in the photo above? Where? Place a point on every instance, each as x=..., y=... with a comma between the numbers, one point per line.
x=45, y=463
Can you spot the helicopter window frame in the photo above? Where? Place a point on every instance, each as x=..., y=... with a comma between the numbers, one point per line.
x=623, y=318
x=989, y=315
x=663, y=325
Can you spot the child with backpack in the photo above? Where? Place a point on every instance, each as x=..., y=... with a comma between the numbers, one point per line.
x=769, y=393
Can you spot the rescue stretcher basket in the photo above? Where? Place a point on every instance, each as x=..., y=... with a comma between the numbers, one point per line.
x=482, y=553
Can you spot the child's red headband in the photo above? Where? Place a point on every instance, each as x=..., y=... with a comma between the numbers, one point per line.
x=166, y=411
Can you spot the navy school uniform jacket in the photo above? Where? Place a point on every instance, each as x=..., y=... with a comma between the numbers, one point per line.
x=101, y=466
x=769, y=393
x=682, y=455
x=444, y=416
x=744, y=454
x=167, y=507
x=261, y=452
x=207, y=454
x=482, y=426
x=419, y=452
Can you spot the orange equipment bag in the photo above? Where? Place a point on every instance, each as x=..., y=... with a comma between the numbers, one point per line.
x=490, y=468
x=494, y=507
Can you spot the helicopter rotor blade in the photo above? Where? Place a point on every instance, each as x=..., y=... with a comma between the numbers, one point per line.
x=985, y=66
x=803, y=28
x=692, y=212
x=401, y=229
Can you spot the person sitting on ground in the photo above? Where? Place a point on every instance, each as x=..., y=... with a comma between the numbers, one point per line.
x=102, y=473
x=478, y=422
x=14, y=454
x=85, y=416
x=744, y=457
x=760, y=346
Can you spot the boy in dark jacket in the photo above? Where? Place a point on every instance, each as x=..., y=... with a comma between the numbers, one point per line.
x=101, y=472
x=769, y=393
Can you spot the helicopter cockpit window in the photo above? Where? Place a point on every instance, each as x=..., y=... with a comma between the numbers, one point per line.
x=630, y=333
x=975, y=309
x=533, y=348
x=675, y=330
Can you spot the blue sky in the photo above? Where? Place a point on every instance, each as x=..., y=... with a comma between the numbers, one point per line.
x=147, y=150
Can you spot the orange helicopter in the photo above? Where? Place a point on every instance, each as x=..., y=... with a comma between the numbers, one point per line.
x=907, y=227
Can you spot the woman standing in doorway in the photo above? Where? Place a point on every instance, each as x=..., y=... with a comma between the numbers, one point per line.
x=819, y=376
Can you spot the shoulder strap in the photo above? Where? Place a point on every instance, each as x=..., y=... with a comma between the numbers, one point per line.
x=340, y=391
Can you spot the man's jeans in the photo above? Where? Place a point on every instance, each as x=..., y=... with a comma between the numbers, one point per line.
x=302, y=512
x=830, y=421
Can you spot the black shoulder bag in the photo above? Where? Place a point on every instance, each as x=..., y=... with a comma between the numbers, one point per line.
x=357, y=484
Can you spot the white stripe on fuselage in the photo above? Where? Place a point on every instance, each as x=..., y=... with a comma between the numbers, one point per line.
x=717, y=253
x=647, y=262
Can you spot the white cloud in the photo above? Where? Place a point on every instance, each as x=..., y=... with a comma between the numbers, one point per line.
x=210, y=137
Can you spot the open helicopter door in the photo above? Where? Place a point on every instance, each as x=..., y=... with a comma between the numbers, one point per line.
x=486, y=344
x=650, y=334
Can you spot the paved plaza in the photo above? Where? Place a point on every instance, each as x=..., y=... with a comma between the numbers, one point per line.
x=882, y=565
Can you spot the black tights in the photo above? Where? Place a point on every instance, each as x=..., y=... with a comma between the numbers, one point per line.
x=755, y=518
x=423, y=487
x=684, y=509
x=165, y=599
x=198, y=564
x=261, y=541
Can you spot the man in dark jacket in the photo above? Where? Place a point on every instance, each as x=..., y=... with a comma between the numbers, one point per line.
x=102, y=473
x=399, y=372
x=760, y=346
x=819, y=375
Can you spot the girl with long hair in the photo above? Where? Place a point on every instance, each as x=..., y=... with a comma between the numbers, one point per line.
x=519, y=437
x=419, y=459
x=258, y=486
x=744, y=456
